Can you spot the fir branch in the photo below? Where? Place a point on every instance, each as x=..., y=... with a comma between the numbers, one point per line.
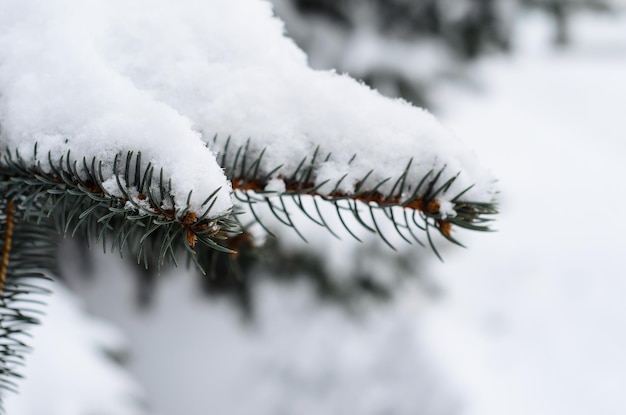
x=408, y=206
x=135, y=209
x=31, y=258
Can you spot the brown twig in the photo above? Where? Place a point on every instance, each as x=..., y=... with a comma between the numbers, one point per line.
x=431, y=207
x=8, y=238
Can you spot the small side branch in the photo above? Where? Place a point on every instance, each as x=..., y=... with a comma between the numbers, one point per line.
x=8, y=238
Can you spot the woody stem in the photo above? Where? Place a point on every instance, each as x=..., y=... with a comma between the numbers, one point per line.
x=8, y=238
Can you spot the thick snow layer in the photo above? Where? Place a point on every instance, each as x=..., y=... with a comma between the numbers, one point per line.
x=99, y=77
x=69, y=371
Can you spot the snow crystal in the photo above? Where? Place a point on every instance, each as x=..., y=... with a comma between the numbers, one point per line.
x=275, y=185
x=111, y=187
x=102, y=77
x=446, y=209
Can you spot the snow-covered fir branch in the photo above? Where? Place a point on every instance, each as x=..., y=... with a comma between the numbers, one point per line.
x=154, y=122
x=80, y=76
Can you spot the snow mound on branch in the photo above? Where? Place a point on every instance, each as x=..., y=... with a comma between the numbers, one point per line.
x=102, y=77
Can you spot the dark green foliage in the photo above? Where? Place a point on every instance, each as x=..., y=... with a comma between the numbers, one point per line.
x=68, y=197
x=467, y=34
x=32, y=259
x=443, y=34
x=236, y=276
x=561, y=11
x=412, y=208
x=72, y=196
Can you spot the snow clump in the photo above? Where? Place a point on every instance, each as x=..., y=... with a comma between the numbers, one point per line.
x=103, y=77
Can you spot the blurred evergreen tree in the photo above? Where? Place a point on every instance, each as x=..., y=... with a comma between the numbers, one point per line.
x=561, y=12
x=442, y=34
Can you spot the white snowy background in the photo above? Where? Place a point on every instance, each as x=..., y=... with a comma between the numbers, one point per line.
x=532, y=321
x=535, y=322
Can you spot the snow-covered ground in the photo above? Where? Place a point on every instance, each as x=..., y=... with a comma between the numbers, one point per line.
x=533, y=321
